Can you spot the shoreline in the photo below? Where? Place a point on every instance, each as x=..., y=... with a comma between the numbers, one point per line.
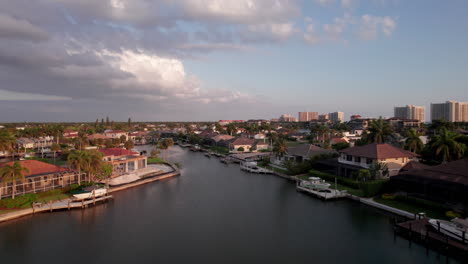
x=31, y=211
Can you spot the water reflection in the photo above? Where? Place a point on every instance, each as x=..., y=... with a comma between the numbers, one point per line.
x=211, y=213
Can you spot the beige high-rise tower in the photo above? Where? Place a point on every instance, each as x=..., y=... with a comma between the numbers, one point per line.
x=411, y=112
x=451, y=111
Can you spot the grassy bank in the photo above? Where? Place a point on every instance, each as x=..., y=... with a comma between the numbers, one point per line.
x=155, y=160
x=25, y=201
x=220, y=150
x=414, y=205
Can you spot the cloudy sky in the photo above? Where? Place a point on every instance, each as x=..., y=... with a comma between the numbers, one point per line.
x=77, y=60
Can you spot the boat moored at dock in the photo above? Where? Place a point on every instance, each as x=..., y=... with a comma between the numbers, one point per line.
x=90, y=193
x=314, y=183
x=457, y=228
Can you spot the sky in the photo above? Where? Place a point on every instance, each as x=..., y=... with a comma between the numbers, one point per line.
x=205, y=60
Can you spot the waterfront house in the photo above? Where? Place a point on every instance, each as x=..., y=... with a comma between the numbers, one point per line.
x=124, y=161
x=218, y=140
x=41, y=177
x=445, y=183
x=241, y=143
x=70, y=134
x=25, y=143
x=115, y=134
x=362, y=157
x=261, y=145
x=301, y=153
x=139, y=137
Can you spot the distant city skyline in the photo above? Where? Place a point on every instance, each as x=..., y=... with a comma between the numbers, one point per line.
x=197, y=60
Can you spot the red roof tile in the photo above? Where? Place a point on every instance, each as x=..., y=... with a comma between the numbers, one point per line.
x=118, y=152
x=378, y=151
x=37, y=167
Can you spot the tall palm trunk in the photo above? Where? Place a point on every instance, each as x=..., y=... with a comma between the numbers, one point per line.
x=13, y=190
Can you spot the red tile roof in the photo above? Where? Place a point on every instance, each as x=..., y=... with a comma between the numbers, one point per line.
x=242, y=141
x=378, y=151
x=115, y=132
x=118, y=152
x=37, y=167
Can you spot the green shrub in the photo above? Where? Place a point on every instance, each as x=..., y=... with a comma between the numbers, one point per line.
x=452, y=214
x=372, y=188
x=422, y=203
x=388, y=196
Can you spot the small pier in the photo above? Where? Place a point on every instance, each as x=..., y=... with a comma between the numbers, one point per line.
x=422, y=232
x=66, y=204
x=328, y=194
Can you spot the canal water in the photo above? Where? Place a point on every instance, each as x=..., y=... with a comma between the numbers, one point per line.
x=213, y=213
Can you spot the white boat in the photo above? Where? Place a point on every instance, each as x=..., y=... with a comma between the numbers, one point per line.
x=89, y=193
x=456, y=228
x=251, y=166
x=315, y=183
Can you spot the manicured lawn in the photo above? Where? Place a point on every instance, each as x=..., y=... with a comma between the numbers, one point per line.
x=220, y=150
x=155, y=160
x=432, y=213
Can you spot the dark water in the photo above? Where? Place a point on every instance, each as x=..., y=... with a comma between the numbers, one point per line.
x=211, y=214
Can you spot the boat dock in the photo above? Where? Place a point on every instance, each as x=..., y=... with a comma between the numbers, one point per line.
x=329, y=194
x=421, y=231
x=66, y=204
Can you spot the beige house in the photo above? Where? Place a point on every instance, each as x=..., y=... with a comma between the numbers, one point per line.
x=115, y=134
x=362, y=157
x=124, y=161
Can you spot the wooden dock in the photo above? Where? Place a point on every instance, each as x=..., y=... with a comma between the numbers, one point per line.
x=421, y=231
x=66, y=204
x=332, y=194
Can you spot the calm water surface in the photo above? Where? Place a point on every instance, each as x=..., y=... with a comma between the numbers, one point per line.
x=213, y=213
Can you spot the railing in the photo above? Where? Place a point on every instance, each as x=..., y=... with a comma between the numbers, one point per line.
x=42, y=185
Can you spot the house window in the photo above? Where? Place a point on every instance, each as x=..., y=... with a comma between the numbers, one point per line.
x=349, y=158
x=369, y=161
x=357, y=159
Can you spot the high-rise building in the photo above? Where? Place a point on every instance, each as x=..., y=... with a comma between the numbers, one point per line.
x=411, y=112
x=336, y=117
x=287, y=118
x=323, y=117
x=307, y=116
x=451, y=111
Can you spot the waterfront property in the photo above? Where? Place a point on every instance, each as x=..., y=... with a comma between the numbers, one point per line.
x=124, y=161
x=362, y=157
x=41, y=177
x=115, y=134
x=301, y=153
x=445, y=183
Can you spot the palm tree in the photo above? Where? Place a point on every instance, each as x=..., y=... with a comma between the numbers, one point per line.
x=378, y=170
x=78, y=160
x=7, y=141
x=379, y=130
x=129, y=144
x=413, y=141
x=12, y=174
x=446, y=146
x=280, y=147
x=55, y=147
x=95, y=163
